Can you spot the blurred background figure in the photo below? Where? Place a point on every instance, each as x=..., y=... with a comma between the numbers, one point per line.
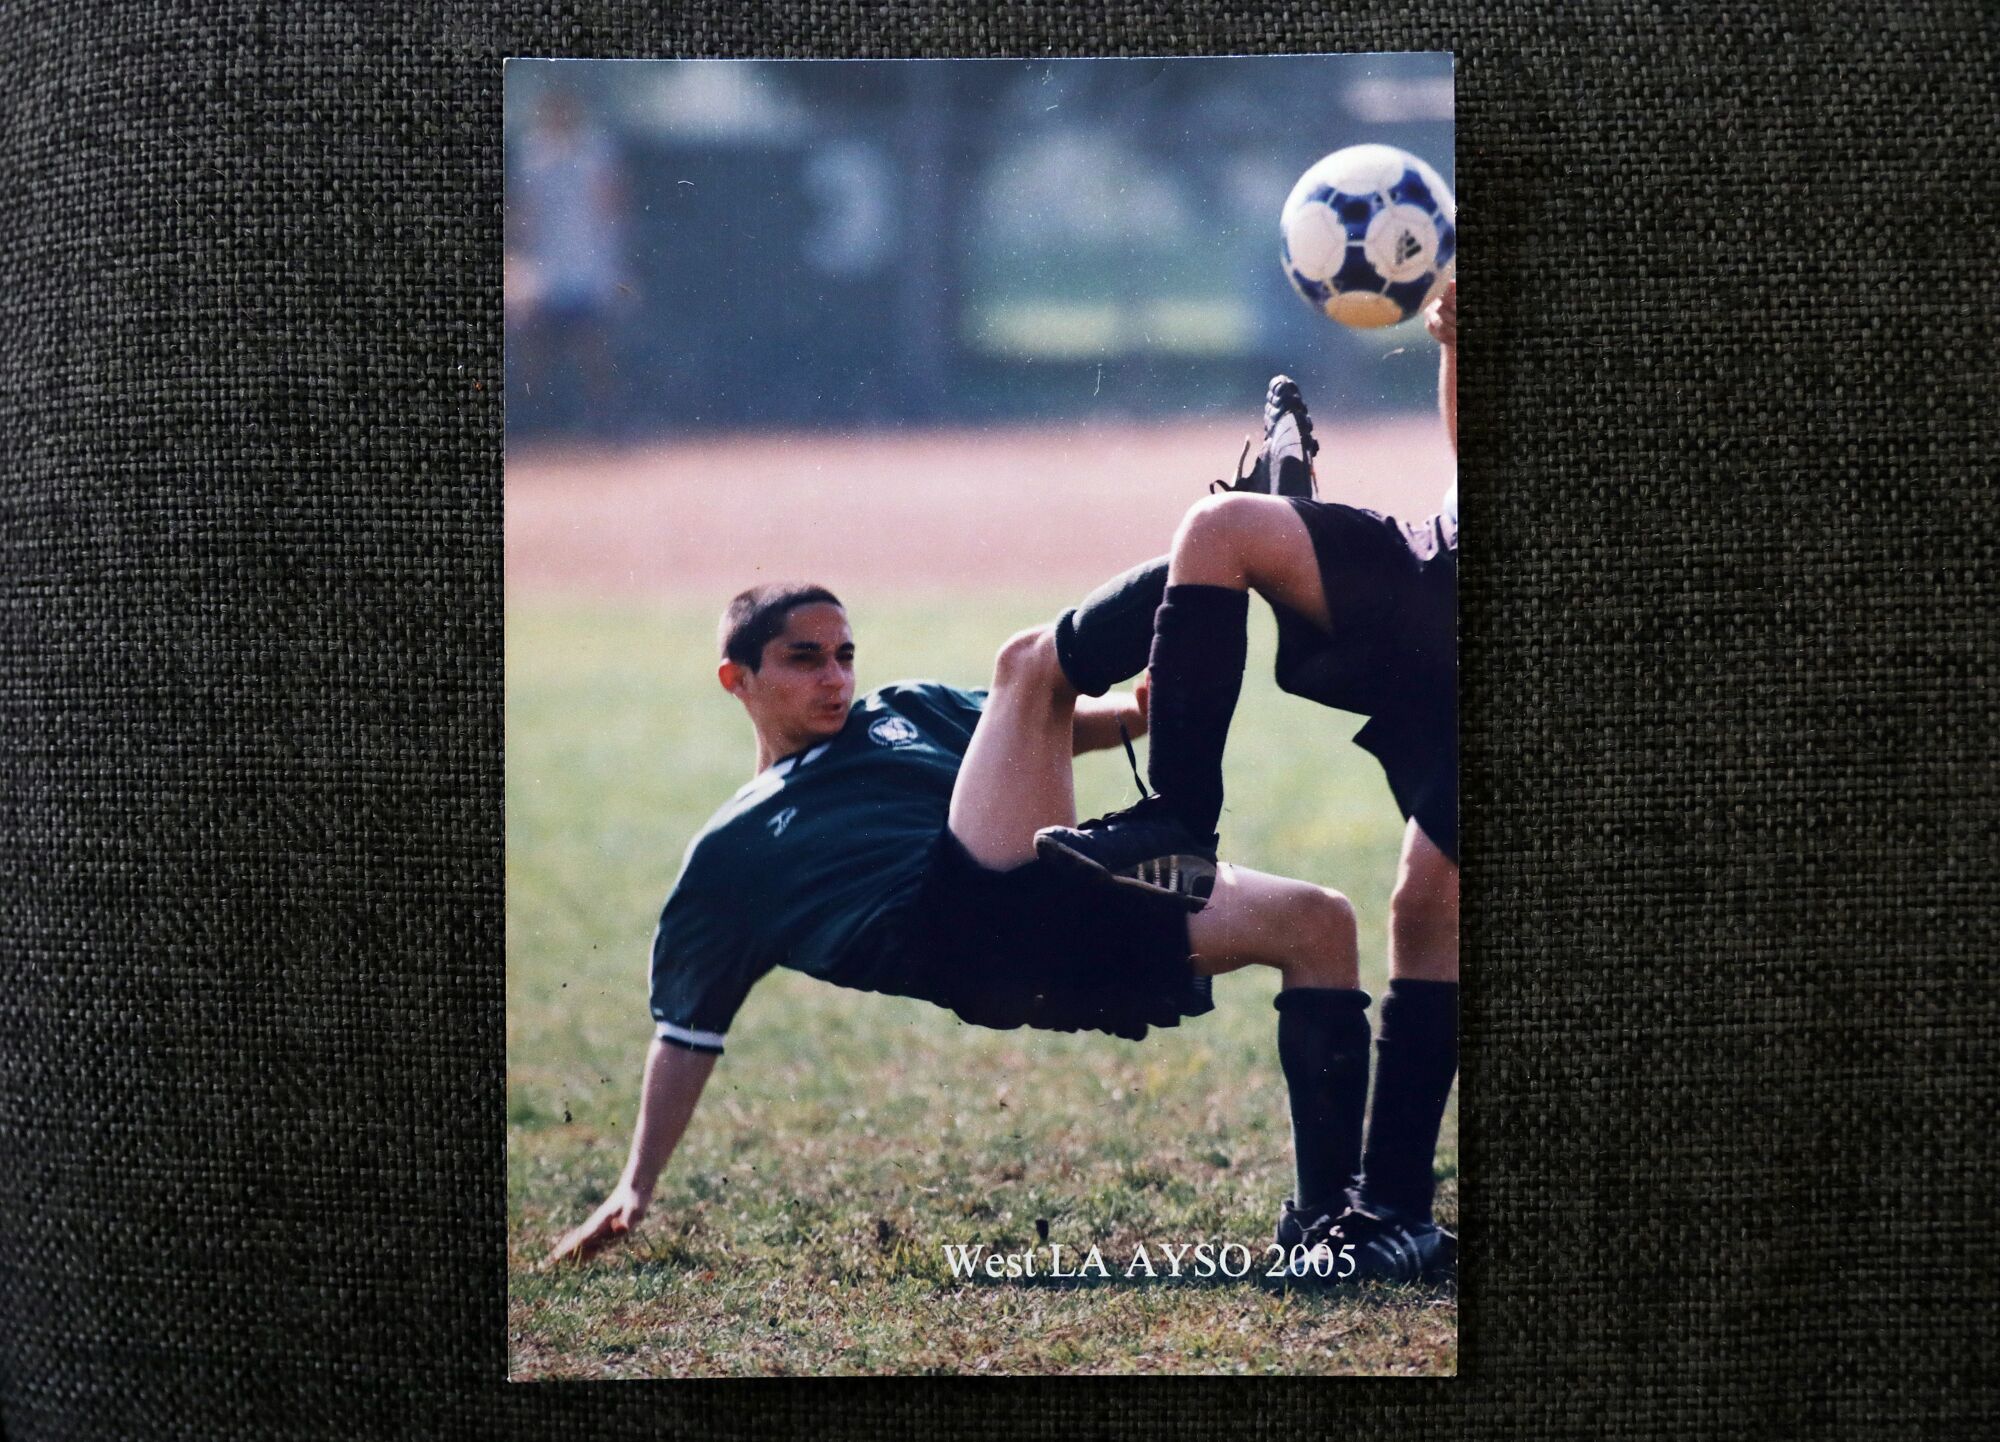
x=566, y=272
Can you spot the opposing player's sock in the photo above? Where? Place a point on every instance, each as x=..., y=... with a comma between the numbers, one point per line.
x=1323, y=1049
x=1107, y=638
x=1416, y=1058
x=1200, y=638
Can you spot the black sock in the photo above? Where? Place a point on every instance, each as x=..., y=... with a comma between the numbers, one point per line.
x=1200, y=638
x=1323, y=1048
x=1107, y=639
x=1415, y=1061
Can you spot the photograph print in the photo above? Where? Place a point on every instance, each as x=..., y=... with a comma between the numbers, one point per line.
x=981, y=717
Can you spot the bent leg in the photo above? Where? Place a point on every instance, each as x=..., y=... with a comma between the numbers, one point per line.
x=1250, y=542
x=1238, y=541
x=1308, y=933
x=1226, y=545
x=1254, y=919
x=1106, y=638
x=1017, y=777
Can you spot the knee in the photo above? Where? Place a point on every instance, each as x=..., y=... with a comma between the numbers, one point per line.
x=1325, y=940
x=1027, y=659
x=1232, y=536
x=1217, y=523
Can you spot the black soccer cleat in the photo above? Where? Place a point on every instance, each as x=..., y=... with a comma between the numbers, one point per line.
x=1299, y=1232
x=1284, y=465
x=1145, y=847
x=1360, y=1246
x=1389, y=1250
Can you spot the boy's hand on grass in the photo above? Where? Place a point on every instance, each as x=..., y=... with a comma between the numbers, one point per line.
x=615, y=1220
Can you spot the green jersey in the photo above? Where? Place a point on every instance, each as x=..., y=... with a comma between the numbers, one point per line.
x=816, y=865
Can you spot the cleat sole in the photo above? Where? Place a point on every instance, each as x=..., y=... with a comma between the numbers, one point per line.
x=1190, y=880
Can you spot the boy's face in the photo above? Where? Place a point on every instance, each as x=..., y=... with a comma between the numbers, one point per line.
x=800, y=694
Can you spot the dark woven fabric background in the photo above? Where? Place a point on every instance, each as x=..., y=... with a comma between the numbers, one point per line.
x=1730, y=708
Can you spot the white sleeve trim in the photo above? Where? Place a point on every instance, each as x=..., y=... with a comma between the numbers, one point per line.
x=687, y=1036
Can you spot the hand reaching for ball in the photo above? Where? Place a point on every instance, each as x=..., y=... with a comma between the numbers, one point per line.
x=1441, y=315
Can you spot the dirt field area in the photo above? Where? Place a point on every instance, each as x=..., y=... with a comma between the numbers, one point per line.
x=882, y=511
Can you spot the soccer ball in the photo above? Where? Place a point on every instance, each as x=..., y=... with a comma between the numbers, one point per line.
x=1368, y=235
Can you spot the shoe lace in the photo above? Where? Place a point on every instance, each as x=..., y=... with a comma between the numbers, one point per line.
x=1241, y=475
x=1357, y=1226
x=1146, y=800
x=1321, y=1229
x=1132, y=760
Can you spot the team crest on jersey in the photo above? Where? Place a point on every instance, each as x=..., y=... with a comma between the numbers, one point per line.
x=894, y=731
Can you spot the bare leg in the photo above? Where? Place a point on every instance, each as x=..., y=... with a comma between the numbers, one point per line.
x=1423, y=912
x=1308, y=933
x=1251, y=542
x=1225, y=547
x=1017, y=775
x=1254, y=919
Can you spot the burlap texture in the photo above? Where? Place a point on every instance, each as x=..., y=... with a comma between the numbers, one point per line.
x=1729, y=713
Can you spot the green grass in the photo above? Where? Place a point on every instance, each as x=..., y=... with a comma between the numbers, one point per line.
x=846, y=1138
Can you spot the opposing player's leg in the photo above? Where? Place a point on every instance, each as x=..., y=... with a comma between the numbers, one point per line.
x=1248, y=538
x=1423, y=911
x=1017, y=776
x=1107, y=639
x=1194, y=636
x=1226, y=546
x=1250, y=543
x=1416, y=1053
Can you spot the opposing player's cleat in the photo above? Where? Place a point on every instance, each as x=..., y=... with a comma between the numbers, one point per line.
x=1360, y=1246
x=1145, y=846
x=1284, y=464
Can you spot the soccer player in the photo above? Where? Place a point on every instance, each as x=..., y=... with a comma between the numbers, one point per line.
x=888, y=844
x=1367, y=622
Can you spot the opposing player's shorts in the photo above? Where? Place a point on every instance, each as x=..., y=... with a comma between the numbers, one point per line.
x=1045, y=947
x=1392, y=656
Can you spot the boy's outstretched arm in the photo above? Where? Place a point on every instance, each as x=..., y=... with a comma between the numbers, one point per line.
x=673, y=1082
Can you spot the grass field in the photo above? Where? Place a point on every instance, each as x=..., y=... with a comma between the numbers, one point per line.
x=846, y=1138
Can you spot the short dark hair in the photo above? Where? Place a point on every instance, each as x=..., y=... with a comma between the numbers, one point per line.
x=758, y=614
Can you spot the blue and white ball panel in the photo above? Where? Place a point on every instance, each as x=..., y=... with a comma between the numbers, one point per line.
x=1364, y=169
x=1401, y=243
x=1368, y=235
x=1315, y=242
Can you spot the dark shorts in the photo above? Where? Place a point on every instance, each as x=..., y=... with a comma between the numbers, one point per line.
x=1392, y=656
x=1044, y=947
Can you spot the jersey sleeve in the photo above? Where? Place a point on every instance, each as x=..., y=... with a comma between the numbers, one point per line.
x=702, y=966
